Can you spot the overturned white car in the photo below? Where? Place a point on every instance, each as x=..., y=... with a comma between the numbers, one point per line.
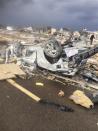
x=65, y=59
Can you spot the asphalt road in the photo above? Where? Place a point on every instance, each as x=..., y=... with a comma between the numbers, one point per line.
x=18, y=112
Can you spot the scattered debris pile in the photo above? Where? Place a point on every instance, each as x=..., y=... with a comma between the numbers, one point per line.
x=63, y=53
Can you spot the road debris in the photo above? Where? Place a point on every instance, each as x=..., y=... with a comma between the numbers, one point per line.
x=38, y=99
x=10, y=71
x=80, y=98
x=61, y=93
x=39, y=84
x=24, y=90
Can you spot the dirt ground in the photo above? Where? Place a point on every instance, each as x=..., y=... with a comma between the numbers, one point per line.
x=18, y=112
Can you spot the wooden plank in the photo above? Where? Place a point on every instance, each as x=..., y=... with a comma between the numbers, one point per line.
x=22, y=89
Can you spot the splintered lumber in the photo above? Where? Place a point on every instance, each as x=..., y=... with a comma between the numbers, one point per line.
x=10, y=71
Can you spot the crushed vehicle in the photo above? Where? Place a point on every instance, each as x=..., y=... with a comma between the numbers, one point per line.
x=64, y=59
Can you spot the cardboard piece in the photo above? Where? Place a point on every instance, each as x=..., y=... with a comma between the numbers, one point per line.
x=10, y=71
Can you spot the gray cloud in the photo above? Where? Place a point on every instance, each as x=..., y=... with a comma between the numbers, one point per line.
x=70, y=13
x=4, y=3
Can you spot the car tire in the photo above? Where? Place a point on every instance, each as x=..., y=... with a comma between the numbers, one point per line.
x=53, y=49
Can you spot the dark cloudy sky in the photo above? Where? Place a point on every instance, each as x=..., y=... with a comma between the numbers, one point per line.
x=58, y=13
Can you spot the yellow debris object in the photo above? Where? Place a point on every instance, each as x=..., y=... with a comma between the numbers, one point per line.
x=80, y=98
x=61, y=93
x=39, y=84
x=24, y=90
